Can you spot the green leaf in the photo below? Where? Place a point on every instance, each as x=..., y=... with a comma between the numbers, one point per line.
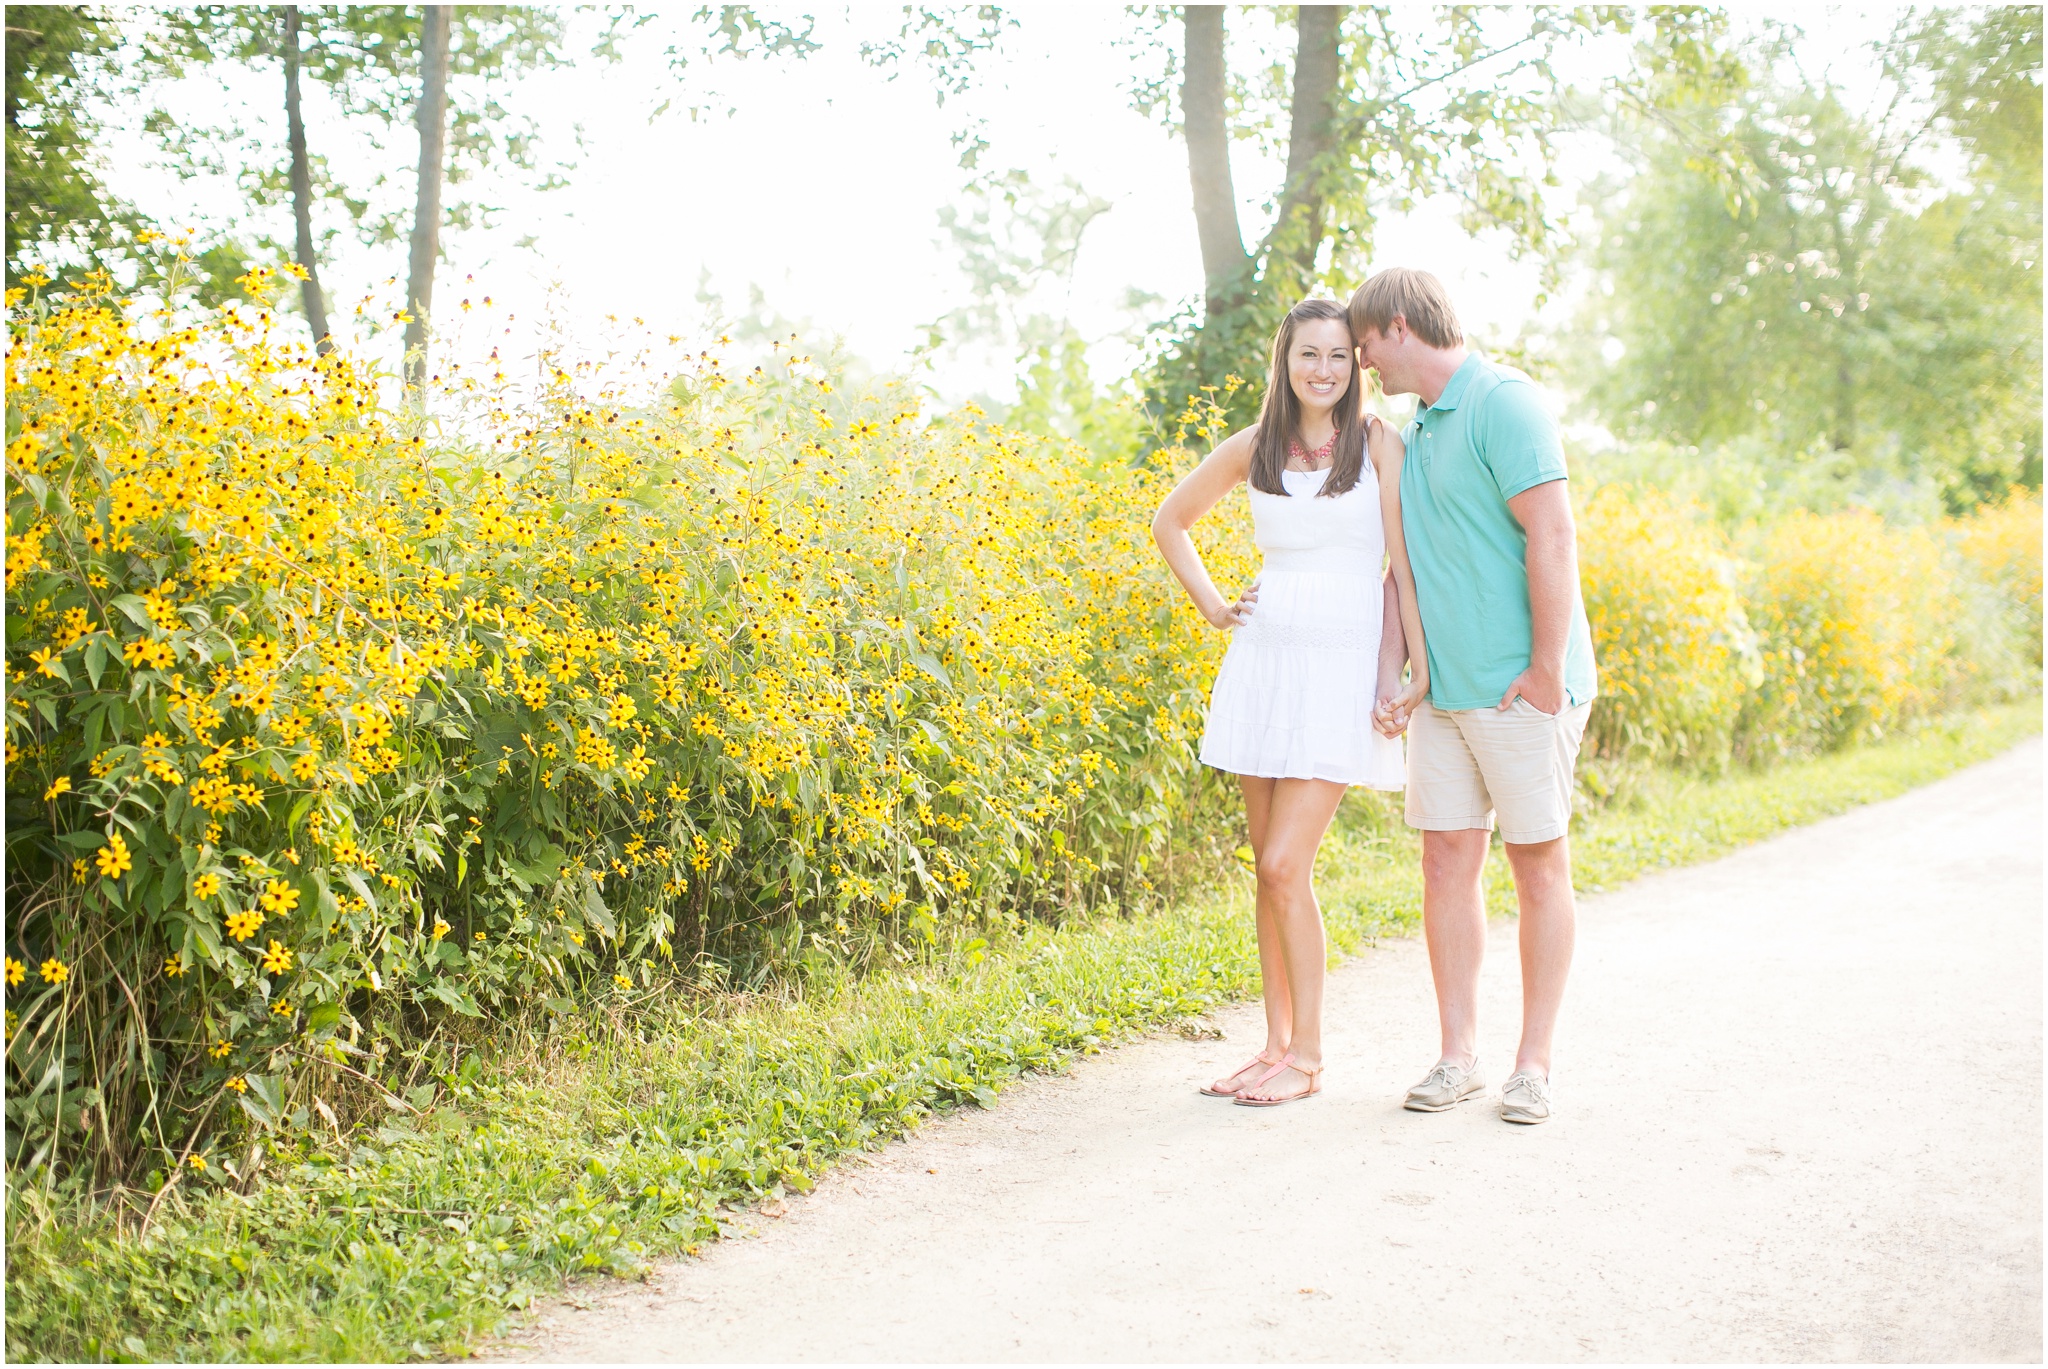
x=264, y=1101
x=200, y=927
x=131, y=605
x=600, y=916
x=459, y=1001
x=95, y=660
x=361, y=886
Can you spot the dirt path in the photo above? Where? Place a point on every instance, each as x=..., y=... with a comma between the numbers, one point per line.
x=1800, y=1096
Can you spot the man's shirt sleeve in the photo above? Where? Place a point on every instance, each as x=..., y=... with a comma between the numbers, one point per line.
x=1518, y=439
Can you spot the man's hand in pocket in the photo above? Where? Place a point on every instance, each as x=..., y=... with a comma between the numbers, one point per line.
x=1543, y=690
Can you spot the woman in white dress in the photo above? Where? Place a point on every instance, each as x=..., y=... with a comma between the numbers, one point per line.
x=1316, y=641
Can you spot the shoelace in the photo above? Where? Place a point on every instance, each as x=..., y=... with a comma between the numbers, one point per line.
x=1535, y=1087
x=1442, y=1075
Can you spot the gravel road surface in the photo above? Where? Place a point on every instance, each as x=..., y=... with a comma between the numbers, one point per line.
x=1799, y=1098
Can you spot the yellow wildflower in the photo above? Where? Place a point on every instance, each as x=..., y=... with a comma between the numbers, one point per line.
x=113, y=858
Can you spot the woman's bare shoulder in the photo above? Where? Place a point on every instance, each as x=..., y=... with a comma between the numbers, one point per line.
x=1236, y=449
x=1383, y=441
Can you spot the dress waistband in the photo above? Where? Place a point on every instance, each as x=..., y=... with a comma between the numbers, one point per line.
x=1322, y=561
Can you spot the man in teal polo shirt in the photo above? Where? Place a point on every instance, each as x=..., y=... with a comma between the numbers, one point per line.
x=1489, y=536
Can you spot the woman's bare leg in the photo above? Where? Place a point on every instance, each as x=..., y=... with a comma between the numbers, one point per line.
x=1258, y=799
x=1298, y=812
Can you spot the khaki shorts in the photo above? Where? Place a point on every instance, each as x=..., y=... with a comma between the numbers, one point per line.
x=1466, y=765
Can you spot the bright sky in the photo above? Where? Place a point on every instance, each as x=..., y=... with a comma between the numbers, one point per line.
x=824, y=188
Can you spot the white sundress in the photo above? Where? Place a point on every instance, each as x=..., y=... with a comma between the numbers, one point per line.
x=1293, y=698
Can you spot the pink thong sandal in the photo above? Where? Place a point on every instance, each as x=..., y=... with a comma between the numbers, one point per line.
x=1314, y=1077
x=1209, y=1092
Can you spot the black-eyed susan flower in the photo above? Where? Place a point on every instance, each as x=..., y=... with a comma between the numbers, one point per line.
x=113, y=858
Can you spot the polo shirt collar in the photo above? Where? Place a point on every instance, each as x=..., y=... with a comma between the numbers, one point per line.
x=1454, y=389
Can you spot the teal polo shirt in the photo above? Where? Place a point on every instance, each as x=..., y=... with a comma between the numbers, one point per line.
x=1487, y=438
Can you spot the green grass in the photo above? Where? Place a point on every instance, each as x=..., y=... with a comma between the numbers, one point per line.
x=603, y=1151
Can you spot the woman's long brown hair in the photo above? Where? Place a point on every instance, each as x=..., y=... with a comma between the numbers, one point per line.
x=1280, y=414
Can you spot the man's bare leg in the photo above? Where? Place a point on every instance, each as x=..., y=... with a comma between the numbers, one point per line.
x=1454, y=925
x=1543, y=891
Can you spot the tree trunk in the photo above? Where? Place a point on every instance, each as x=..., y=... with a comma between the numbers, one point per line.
x=302, y=187
x=1208, y=137
x=1298, y=229
x=426, y=223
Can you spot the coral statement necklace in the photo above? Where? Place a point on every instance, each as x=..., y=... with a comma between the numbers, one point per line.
x=1313, y=460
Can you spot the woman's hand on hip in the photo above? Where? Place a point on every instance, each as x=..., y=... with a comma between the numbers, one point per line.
x=1236, y=613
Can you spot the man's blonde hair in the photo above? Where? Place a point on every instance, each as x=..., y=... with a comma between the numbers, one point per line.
x=1416, y=296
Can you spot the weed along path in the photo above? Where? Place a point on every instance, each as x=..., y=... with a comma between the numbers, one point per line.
x=1800, y=1119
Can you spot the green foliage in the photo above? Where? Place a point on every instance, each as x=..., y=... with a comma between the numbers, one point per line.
x=59, y=210
x=1824, y=294
x=367, y=59
x=600, y=1146
x=1463, y=100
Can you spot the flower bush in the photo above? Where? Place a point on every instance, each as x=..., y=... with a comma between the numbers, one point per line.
x=1676, y=655
x=331, y=728
x=2001, y=543
x=1826, y=629
x=322, y=728
x=1858, y=628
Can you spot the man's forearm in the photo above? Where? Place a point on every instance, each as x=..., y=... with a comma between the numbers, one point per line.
x=1393, y=641
x=1553, y=564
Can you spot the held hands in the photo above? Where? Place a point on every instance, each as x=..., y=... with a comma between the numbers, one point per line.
x=1397, y=703
x=1542, y=688
x=1235, y=614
